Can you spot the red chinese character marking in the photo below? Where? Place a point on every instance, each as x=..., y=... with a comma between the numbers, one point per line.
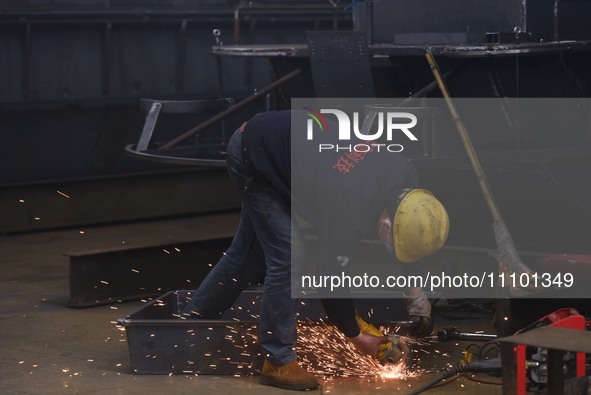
x=355, y=156
x=348, y=161
x=343, y=165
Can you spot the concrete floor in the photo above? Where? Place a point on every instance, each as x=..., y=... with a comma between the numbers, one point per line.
x=49, y=348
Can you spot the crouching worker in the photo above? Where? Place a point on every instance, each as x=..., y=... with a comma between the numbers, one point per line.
x=378, y=203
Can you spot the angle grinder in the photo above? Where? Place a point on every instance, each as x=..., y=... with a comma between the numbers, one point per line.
x=390, y=352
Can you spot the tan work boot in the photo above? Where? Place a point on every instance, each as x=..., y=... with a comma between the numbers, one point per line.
x=290, y=376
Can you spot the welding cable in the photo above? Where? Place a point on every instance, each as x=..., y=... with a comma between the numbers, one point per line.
x=489, y=365
x=484, y=351
x=489, y=348
x=480, y=380
x=477, y=347
x=483, y=354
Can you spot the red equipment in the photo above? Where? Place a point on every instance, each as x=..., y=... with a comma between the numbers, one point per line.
x=563, y=318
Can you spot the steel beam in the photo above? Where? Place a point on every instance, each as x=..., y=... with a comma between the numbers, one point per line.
x=129, y=273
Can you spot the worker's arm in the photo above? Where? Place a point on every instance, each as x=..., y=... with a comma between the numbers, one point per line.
x=417, y=304
x=341, y=313
x=418, y=308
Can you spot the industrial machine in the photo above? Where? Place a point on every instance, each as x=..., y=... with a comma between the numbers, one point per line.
x=531, y=371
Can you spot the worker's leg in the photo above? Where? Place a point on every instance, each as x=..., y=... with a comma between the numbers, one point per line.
x=264, y=216
x=242, y=263
x=272, y=222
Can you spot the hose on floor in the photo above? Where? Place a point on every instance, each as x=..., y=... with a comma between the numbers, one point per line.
x=488, y=365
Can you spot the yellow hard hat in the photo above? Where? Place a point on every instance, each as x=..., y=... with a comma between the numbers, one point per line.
x=421, y=225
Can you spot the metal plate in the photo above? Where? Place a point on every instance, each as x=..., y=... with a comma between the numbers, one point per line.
x=555, y=338
x=341, y=65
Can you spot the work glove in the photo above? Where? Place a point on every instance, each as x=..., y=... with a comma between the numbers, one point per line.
x=418, y=308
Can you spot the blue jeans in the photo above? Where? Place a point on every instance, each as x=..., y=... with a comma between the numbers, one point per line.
x=265, y=222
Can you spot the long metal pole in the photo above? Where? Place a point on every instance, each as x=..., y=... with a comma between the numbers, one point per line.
x=482, y=180
x=232, y=109
x=507, y=253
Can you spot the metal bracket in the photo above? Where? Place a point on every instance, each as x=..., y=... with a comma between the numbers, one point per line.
x=194, y=156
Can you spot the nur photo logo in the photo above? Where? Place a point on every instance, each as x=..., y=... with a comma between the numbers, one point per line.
x=389, y=123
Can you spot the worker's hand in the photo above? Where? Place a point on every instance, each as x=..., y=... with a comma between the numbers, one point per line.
x=368, y=344
x=421, y=326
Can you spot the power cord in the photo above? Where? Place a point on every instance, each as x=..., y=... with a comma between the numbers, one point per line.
x=488, y=365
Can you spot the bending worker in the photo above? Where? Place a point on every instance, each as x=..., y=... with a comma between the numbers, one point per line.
x=346, y=203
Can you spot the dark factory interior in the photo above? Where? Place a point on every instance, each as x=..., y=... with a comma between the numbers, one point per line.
x=137, y=141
